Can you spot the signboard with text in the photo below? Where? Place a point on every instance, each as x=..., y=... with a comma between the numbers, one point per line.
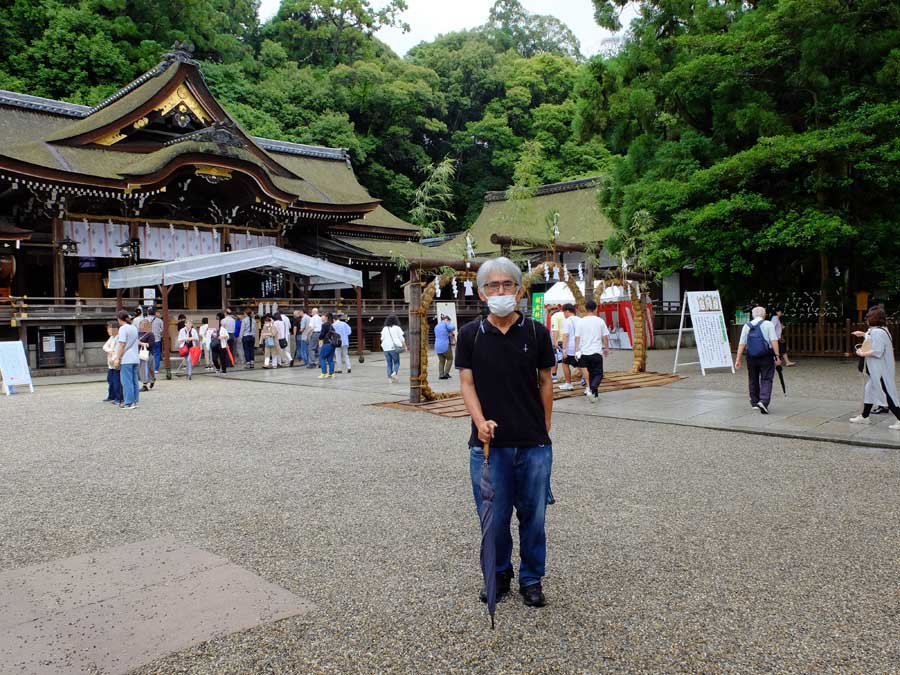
x=537, y=307
x=710, y=331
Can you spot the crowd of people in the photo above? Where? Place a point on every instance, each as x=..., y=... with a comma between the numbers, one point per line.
x=311, y=340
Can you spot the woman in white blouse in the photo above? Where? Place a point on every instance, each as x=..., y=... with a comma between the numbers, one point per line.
x=188, y=337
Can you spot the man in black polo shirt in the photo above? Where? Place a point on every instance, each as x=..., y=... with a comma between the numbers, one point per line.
x=504, y=362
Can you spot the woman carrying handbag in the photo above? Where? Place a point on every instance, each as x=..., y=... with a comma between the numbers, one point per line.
x=188, y=341
x=878, y=352
x=145, y=341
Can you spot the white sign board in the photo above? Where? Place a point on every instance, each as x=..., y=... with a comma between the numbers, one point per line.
x=710, y=331
x=446, y=309
x=14, y=366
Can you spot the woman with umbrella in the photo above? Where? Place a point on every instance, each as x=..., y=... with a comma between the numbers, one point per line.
x=188, y=339
x=878, y=351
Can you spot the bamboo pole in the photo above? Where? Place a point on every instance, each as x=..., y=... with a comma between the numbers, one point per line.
x=415, y=336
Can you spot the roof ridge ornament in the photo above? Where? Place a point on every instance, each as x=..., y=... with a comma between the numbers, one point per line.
x=181, y=52
x=222, y=133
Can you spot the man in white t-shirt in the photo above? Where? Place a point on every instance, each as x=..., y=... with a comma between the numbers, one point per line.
x=591, y=347
x=570, y=327
x=315, y=322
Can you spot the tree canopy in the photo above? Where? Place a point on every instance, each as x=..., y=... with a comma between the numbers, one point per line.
x=759, y=137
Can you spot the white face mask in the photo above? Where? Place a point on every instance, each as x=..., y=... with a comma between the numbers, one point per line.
x=501, y=305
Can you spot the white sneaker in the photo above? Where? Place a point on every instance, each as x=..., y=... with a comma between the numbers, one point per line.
x=566, y=387
x=587, y=391
x=592, y=398
x=895, y=426
x=859, y=419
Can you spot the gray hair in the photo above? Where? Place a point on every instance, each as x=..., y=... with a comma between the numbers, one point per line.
x=501, y=265
x=759, y=312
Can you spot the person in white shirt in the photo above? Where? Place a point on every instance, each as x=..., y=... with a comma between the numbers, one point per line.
x=280, y=338
x=591, y=347
x=113, y=379
x=758, y=339
x=315, y=322
x=188, y=337
x=285, y=330
x=392, y=343
x=127, y=359
x=342, y=353
x=204, y=342
x=777, y=322
x=570, y=327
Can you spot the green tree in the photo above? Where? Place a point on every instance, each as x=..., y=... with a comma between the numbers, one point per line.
x=754, y=136
x=433, y=198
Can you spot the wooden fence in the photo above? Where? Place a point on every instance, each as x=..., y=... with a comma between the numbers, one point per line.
x=830, y=338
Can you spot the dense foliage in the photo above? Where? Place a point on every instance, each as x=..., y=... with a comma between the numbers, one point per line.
x=752, y=140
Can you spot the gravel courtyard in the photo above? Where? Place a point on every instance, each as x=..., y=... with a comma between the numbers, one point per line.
x=670, y=549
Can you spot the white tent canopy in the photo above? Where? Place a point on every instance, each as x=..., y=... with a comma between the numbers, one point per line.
x=323, y=274
x=559, y=293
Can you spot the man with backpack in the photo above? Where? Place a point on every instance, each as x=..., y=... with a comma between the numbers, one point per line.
x=759, y=341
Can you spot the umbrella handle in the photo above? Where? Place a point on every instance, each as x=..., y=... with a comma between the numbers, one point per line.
x=487, y=450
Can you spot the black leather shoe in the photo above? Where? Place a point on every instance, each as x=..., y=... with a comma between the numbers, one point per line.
x=503, y=579
x=533, y=595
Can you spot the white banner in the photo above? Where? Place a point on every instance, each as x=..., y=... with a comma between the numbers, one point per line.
x=102, y=240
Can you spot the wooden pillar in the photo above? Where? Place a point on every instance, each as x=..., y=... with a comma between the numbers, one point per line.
x=79, y=344
x=415, y=337
x=385, y=283
x=360, y=341
x=166, y=348
x=306, y=294
x=59, y=264
x=190, y=296
x=120, y=302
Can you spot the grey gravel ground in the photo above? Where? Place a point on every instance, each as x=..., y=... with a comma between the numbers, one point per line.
x=671, y=549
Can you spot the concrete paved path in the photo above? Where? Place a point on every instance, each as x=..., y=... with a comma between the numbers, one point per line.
x=113, y=610
x=806, y=418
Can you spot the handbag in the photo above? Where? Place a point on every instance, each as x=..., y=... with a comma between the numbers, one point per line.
x=144, y=354
x=865, y=346
x=282, y=343
x=270, y=342
x=183, y=350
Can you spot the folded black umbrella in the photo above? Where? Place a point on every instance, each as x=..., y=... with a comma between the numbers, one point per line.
x=780, y=371
x=488, y=545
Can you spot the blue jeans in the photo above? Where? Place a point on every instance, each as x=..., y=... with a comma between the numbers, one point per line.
x=114, y=390
x=392, y=359
x=326, y=358
x=130, y=382
x=520, y=477
x=157, y=354
x=302, y=350
x=249, y=344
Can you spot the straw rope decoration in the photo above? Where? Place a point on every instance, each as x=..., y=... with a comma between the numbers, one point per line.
x=537, y=274
x=428, y=295
x=428, y=292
